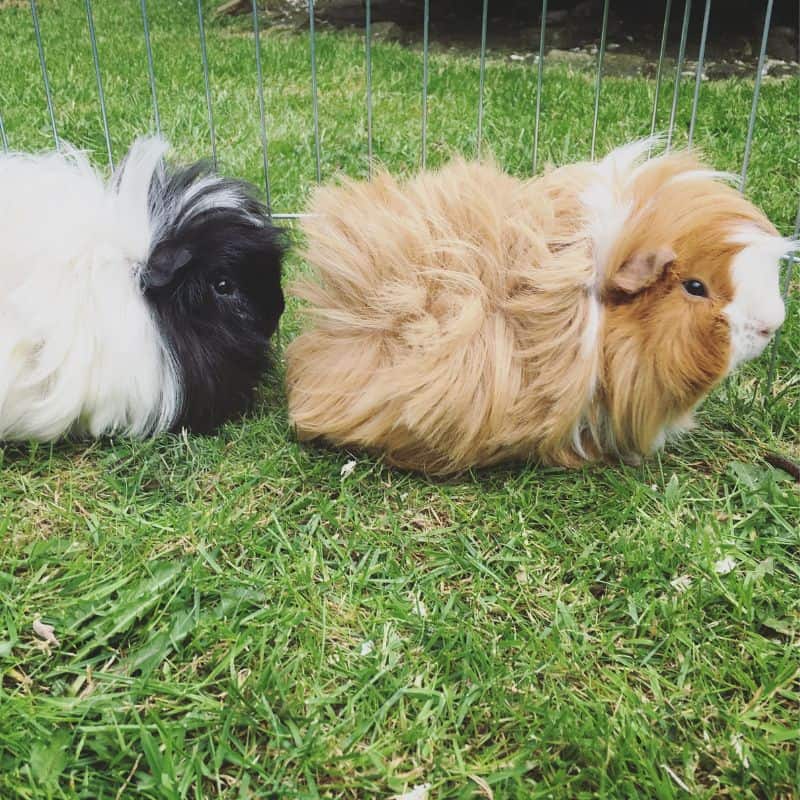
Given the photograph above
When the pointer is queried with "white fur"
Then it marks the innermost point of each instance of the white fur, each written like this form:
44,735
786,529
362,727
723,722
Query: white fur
79,350
757,309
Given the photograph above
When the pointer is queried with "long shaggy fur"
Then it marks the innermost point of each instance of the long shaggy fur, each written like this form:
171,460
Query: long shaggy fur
466,317
109,317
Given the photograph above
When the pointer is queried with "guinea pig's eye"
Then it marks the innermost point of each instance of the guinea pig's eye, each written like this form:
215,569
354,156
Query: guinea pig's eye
695,287
223,286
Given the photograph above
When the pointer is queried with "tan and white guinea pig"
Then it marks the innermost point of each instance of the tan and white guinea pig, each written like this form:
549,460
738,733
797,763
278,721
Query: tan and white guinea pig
467,317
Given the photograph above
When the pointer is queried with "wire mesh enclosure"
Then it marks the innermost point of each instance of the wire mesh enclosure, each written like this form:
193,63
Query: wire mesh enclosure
676,110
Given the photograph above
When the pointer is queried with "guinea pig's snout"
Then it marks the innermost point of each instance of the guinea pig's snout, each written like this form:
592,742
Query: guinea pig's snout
769,319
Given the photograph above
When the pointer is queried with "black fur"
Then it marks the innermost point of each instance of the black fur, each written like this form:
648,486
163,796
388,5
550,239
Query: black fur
213,281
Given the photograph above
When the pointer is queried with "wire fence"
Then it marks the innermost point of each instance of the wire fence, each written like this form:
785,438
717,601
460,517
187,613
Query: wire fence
540,61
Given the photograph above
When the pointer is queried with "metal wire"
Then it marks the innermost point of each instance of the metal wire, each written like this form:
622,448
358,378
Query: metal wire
659,69
204,56
3,138
756,89
484,22
539,70
261,108
150,68
425,32
100,94
314,100
698,79
600,56
368,57
45,79
687,11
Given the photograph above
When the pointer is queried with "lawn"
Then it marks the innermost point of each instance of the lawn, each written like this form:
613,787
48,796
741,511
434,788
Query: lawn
237,618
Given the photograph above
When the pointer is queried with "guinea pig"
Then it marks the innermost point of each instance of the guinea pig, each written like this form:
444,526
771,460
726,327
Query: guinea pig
466,317
133,306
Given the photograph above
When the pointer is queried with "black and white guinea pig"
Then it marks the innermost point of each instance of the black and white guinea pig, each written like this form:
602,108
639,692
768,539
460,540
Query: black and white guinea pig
133,306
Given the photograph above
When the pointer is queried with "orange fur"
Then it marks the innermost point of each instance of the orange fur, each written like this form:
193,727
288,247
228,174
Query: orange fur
450,317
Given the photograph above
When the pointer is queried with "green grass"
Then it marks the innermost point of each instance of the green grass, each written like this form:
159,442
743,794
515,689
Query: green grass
535,633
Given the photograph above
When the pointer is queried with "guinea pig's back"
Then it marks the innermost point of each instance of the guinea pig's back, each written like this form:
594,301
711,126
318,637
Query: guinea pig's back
416,304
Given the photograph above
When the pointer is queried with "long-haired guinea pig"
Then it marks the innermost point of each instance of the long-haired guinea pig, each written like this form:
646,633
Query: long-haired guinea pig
134,306
466,317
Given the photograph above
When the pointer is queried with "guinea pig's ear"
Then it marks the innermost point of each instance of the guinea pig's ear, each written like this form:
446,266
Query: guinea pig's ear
641,270
164,265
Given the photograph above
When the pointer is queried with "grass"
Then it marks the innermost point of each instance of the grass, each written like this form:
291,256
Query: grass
236,619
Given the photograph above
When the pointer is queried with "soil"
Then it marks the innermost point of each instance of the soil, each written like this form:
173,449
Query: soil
572,31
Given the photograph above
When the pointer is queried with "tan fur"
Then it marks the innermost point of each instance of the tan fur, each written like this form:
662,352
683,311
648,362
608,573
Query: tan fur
447,315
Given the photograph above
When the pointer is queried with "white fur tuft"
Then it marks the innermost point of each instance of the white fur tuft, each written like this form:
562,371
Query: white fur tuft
79,350
757,309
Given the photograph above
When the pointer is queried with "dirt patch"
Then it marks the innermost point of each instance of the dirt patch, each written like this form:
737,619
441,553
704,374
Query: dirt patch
572,31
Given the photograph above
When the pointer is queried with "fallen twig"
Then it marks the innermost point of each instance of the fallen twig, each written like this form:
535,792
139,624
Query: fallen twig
781,462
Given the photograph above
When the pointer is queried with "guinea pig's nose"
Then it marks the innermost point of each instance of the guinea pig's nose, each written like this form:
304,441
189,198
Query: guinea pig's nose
766,329
769,319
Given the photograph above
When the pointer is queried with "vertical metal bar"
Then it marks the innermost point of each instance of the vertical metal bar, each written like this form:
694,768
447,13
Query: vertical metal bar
261,107
3,138
687,11
426,28
600,56
150,68
204,56
43,65
368,56
698,78
314,101
484,23
659,69
539,71
756,89
100,94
